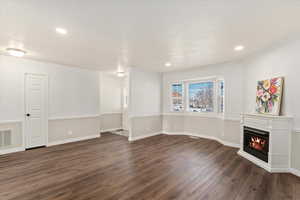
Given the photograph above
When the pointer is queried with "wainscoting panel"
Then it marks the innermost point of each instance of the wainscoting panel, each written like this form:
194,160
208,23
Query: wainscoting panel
16,136
295,151
145,126
61,130
226,131
203,125
110,121
173,123
231,131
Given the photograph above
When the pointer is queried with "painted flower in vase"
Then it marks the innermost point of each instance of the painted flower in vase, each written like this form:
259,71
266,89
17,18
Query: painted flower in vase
268,96
266,84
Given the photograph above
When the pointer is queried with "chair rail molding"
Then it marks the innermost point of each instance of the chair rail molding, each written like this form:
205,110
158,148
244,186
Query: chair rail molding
297,130
73,117
11,121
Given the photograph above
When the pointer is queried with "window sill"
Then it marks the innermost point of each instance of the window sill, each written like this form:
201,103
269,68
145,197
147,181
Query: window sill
204,115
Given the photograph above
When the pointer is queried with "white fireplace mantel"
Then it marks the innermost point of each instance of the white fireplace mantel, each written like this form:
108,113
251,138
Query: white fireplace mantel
280,129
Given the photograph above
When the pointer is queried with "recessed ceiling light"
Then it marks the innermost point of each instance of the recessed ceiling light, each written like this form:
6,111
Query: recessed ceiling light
61,31
15,52
120,74
239,48
168,64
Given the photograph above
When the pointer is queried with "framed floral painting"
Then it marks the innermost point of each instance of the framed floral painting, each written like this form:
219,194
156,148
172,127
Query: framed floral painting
269,95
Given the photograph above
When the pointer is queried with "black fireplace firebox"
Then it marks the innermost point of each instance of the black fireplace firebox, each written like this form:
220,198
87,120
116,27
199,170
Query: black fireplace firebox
256,143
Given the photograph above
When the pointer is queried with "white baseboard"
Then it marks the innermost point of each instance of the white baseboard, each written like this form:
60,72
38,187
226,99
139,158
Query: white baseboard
131,139
11,150
280,170
204,136
255,160
294,171
265,166
230,144
173,133
120,133
110,130
73,140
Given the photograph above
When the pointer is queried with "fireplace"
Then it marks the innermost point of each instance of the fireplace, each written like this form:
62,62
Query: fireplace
256,143
266,141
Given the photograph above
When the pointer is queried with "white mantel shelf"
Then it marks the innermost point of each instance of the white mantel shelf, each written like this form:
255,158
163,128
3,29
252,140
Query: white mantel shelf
266,116
280,129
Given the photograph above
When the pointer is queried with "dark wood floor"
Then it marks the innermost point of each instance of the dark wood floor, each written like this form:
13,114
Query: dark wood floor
160,167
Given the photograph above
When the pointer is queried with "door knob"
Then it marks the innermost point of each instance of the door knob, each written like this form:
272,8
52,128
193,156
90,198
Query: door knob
28,115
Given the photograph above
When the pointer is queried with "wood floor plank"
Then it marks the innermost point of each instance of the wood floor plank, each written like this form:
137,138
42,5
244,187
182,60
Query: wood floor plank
160,167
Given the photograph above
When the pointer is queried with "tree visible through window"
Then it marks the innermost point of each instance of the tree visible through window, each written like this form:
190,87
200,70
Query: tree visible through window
177,97
201,97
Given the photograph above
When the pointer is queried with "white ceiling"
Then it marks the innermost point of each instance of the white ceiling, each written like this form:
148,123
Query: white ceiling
145,33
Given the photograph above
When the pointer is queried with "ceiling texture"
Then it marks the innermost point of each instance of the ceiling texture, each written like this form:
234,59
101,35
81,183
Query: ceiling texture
145,33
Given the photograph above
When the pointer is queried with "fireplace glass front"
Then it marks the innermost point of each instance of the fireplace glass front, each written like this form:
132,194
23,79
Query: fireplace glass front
256,143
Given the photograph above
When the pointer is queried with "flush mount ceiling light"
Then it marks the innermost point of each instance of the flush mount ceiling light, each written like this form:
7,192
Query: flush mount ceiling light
239,48
120,74
168,64
15,52
61,31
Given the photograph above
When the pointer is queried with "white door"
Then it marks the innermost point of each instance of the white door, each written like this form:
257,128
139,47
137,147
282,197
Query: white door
36,108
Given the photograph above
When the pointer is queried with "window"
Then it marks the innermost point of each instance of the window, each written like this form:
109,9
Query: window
201,97
177,97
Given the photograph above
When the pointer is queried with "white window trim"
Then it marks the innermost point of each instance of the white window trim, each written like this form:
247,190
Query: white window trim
221,114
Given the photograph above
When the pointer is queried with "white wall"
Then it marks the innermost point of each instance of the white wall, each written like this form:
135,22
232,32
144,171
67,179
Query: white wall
73,99
280,60
144,103
145,93
72,91
111,101
111,88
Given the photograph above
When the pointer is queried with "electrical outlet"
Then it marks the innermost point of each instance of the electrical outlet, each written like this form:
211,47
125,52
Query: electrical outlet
70,132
